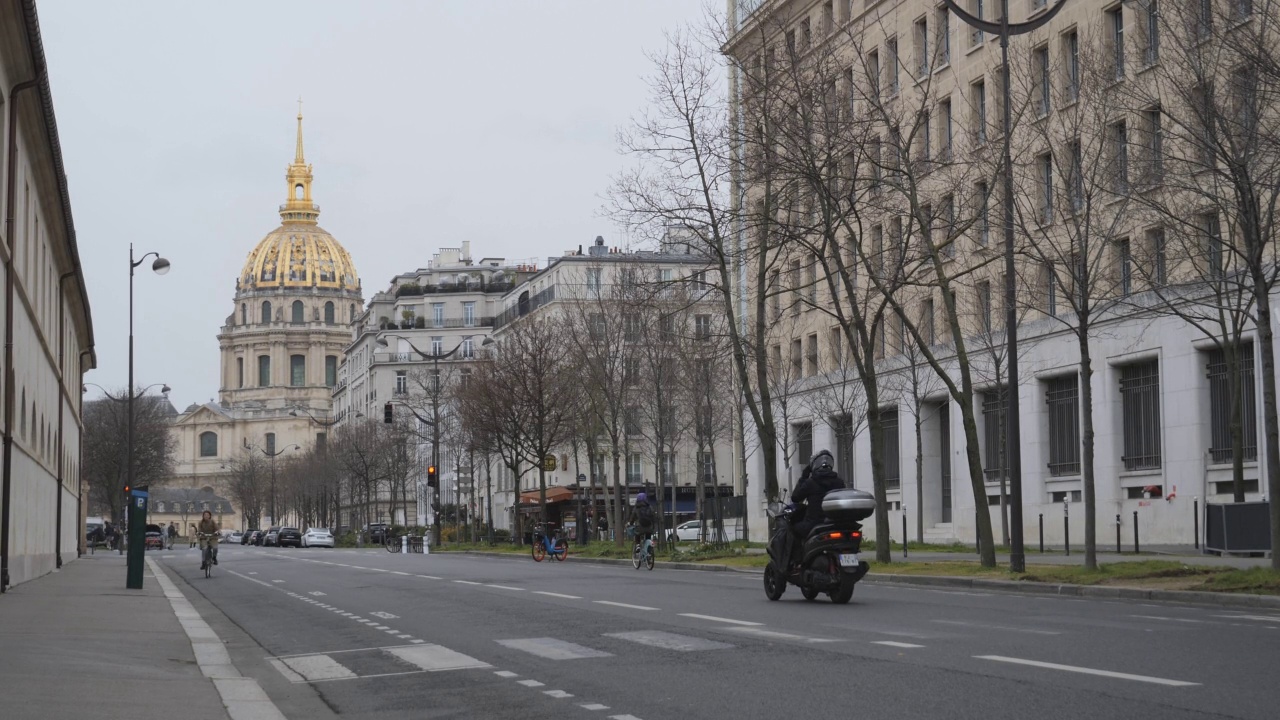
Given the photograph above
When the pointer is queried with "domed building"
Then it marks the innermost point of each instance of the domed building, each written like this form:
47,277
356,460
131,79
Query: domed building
280,348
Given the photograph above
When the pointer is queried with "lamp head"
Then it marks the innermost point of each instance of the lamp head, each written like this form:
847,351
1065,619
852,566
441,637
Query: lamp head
488,341
293,413
381,342
164,389
160,266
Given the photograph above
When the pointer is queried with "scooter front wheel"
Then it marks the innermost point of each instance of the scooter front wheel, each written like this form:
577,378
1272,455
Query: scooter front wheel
774,583
844,594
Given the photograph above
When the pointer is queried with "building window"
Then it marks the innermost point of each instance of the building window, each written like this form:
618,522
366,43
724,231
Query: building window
1119,158
1152,147
946,130
943,24
635,474
468,349
1150,13
328,313
1115,24
702,327
842,427
297,370
1071,48
1040,58
239,372
1220,404
266,312
1045,163
244,314
1240,9
873,73
812,355
271,443
804,443
437,345
979,92
1124,268
437,314
208,444
402,382
1155,245
264,371
993,421
978,9
1140,405
983,222
1213,248
984,306
469,314
889,453
1062,398
322,443
298,314
596,326
891,65
330,370
922,47
797,359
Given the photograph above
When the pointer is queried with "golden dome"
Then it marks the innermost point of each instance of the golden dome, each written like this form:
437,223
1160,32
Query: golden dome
299,253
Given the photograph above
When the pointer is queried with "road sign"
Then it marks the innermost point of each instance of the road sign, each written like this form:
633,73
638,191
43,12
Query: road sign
549,463
582,477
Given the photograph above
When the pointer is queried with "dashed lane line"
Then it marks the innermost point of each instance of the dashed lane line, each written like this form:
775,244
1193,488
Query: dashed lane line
1087,671
896,644
621,605
713,618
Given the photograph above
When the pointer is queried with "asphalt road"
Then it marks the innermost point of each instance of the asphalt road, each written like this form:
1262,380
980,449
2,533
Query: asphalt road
367,634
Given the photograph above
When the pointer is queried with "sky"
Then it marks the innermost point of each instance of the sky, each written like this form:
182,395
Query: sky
427,123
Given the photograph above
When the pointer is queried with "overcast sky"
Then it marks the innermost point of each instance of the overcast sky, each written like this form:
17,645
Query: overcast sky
427,123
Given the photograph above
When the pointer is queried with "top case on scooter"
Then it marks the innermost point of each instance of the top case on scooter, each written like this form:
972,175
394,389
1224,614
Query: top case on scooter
848,505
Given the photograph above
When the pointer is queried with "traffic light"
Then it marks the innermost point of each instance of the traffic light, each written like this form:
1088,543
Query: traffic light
386,413
431,476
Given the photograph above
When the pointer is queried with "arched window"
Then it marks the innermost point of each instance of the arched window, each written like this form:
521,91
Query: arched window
297,370
328,313
208,444
298,313
271,442
244,314
266,312
264,371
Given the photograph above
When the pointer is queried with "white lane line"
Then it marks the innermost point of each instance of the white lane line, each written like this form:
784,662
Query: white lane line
277,581
404,636
775,635
397,572
623,605
379,627
984,626
731,621
506,674
429,577
623,717
892,643
531,683
393,632
594,706
1174,619
553,649
466,582
504,587
557,694
559,595
1087,671
1259,618
417,642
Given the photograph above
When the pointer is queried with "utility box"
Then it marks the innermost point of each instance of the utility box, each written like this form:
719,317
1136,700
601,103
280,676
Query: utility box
1237,527
137,519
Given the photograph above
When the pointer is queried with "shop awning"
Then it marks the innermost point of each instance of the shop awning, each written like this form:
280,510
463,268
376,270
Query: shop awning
557,493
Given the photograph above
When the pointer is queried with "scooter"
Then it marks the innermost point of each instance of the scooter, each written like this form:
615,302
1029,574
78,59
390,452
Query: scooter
828,560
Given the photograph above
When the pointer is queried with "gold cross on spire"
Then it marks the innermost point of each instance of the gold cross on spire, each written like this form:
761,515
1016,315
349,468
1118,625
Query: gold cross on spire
298,157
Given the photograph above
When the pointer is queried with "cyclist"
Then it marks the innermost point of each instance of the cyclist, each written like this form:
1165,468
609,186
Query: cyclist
641,519
207,532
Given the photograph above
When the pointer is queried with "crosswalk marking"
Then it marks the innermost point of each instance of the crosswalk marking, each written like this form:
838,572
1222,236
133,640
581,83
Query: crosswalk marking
893,643
721,619
433,658
318,667
553,649
594,706
669,641
557,694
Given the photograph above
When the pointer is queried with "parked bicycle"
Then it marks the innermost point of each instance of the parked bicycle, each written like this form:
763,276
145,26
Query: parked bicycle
545,543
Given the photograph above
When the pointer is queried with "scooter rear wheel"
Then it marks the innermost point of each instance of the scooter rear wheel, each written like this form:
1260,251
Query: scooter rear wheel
809,593
774,583
844,594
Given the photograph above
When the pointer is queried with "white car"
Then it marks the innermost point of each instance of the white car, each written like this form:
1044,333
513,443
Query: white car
317,537
691,531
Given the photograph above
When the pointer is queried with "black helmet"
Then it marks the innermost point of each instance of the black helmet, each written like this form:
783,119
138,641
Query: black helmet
823,461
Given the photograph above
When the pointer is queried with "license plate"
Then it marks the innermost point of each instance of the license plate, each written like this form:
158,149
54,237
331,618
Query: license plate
849,559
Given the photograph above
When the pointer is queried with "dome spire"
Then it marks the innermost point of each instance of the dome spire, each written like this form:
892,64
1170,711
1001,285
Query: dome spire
298,207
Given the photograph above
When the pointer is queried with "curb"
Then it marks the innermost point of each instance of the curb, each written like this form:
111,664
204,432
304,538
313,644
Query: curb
1194,597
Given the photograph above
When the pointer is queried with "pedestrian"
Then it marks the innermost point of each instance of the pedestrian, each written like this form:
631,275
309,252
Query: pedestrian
172,532
192,536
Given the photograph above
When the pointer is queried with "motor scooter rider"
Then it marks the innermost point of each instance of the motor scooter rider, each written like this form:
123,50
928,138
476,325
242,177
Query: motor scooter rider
818,479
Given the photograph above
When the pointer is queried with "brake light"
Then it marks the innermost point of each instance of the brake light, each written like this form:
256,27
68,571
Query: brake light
855,535
834,536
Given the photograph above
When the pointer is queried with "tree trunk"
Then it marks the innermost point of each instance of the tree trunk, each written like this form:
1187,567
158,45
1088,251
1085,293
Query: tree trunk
1087,470
619,501
919,468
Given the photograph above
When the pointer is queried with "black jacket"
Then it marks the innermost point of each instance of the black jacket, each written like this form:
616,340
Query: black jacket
811,490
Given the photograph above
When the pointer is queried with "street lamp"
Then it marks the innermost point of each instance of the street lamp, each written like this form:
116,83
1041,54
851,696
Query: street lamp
1013,436
434,422
272,455
316,420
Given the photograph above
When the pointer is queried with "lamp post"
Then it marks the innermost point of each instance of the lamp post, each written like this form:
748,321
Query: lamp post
434,422
1013,451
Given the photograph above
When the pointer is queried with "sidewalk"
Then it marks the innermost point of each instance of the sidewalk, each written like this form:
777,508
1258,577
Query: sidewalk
1185,554
76,643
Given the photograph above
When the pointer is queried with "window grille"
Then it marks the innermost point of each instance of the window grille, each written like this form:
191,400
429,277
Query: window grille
993,414
1063,400
804,443
1140,396
890,453
1220,404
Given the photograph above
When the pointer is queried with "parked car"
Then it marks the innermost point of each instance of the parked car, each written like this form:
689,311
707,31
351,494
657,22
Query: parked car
235,538
269,538
154,538
253,537
288,537
695,531
317,537
378,532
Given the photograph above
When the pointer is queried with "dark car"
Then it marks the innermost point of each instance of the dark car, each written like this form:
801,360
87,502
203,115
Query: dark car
269,538
250,536
289,537
378,532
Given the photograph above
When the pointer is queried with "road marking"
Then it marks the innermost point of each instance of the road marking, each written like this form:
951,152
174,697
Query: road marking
429,577
394,632
317,593
397,572
997,627
720,619
277,581
253,573
892,643
559,595
623,717
404,636
557,694
379,627
1174,619
504,587
467,582
357,618
506,674
318,667
553,649
419,642
531,683
775,635
384,615
594,706
288,674
669,641
1259,618
623,605
1087,671
433,658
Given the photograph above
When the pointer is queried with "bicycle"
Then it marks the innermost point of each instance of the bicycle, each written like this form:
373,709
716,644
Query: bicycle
391,542
544,544
643,553
208,554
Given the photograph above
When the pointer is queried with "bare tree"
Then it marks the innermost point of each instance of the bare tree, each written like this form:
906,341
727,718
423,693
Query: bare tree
106,430
247,484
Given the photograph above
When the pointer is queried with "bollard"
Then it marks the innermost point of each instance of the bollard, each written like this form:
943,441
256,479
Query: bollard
1195,519
1117,533
1135,532
904,531
426,544
1041,533
1066,530
404,544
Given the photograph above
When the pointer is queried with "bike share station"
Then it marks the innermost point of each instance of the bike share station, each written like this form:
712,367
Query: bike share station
136,519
